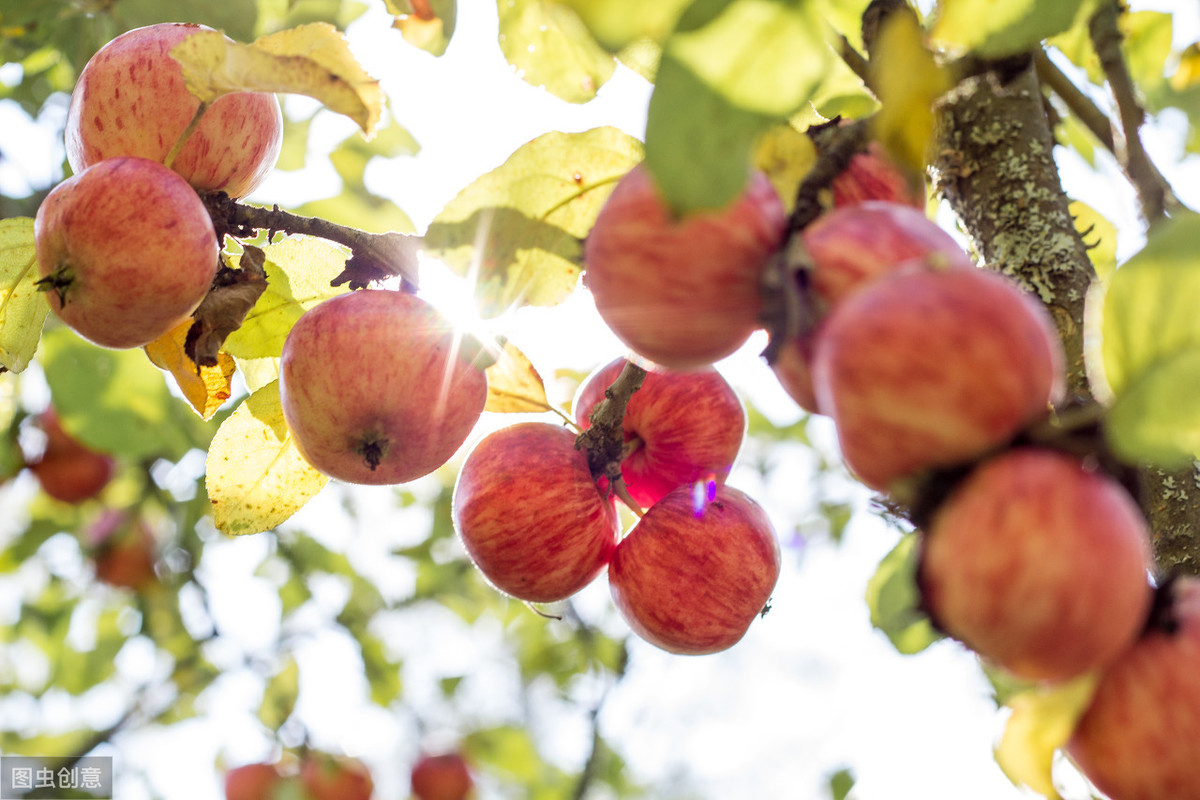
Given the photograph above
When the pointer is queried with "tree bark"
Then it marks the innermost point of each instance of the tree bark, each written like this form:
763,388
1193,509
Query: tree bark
994,164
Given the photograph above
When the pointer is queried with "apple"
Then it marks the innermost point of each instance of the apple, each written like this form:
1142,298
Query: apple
682,292
131,100
680,427
871,175
252,782
444,776
696,570
329,778
848,248
126,251
1038,564
1137,739
124,550
933,366
67,469
377,388
530,515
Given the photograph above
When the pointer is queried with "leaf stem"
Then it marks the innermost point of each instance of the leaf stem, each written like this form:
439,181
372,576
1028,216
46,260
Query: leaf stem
183,137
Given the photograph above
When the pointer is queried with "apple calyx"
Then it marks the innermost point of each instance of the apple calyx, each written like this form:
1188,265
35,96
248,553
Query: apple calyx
58,281
374,449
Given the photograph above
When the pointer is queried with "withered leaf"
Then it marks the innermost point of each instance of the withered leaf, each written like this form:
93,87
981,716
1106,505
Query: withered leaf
234,293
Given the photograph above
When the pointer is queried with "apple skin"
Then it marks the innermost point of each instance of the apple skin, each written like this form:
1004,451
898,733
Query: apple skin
530,515
125,550
932,367
1039,565
849,247
1137,739
126,250
329,778
131,100
251,782
682,292
376,388
687,426
444,776
68,470
692,581
872,176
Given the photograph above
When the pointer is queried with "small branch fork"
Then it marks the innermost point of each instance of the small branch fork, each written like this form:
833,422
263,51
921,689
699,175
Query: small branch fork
373,256
604,440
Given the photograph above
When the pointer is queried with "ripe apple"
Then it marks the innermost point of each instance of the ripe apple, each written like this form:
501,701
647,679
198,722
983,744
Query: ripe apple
682,292
329,778
67,469
933,366
376,387
124,550
252,782
871,175
1039,565
126,251
131,100
695,571
530,514
849,247
441,777
1137,739
680,427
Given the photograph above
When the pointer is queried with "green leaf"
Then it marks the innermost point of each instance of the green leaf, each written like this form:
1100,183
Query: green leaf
279,697
299,270
382,672
1157,419
80,670
552,48
23,308
517,230
255,476
358,208
616,24
1150,307
895,599
840,784
764,56
116,401
994,29
506,751
690,123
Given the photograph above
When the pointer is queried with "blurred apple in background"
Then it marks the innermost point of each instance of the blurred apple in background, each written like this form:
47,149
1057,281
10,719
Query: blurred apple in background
67,469
443,776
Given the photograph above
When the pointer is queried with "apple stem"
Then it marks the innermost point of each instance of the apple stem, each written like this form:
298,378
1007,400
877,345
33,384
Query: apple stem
622,491
183,137
604,440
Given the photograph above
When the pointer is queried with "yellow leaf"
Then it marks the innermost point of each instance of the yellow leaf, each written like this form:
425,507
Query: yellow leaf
514,386
312,60
1099,235
206,388
1187,74
1043,719
256,478
785,155
908,82
23,309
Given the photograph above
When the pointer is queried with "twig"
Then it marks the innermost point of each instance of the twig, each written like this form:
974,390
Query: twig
1153,192
1095,120
855,61
373,256
604,440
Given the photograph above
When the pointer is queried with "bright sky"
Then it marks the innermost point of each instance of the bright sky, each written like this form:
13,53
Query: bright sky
812,687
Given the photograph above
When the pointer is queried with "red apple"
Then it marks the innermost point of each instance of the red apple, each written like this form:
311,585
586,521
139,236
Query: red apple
376,387
696,570
1137,739
682,292
329,778
131,100
680,427
850,247
126,251
441,777
931,367
1039,565
124,550
67,469
531,517
872,176
252,782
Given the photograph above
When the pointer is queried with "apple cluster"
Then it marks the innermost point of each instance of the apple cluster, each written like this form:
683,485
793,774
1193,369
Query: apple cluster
126,248
320,776
540,521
